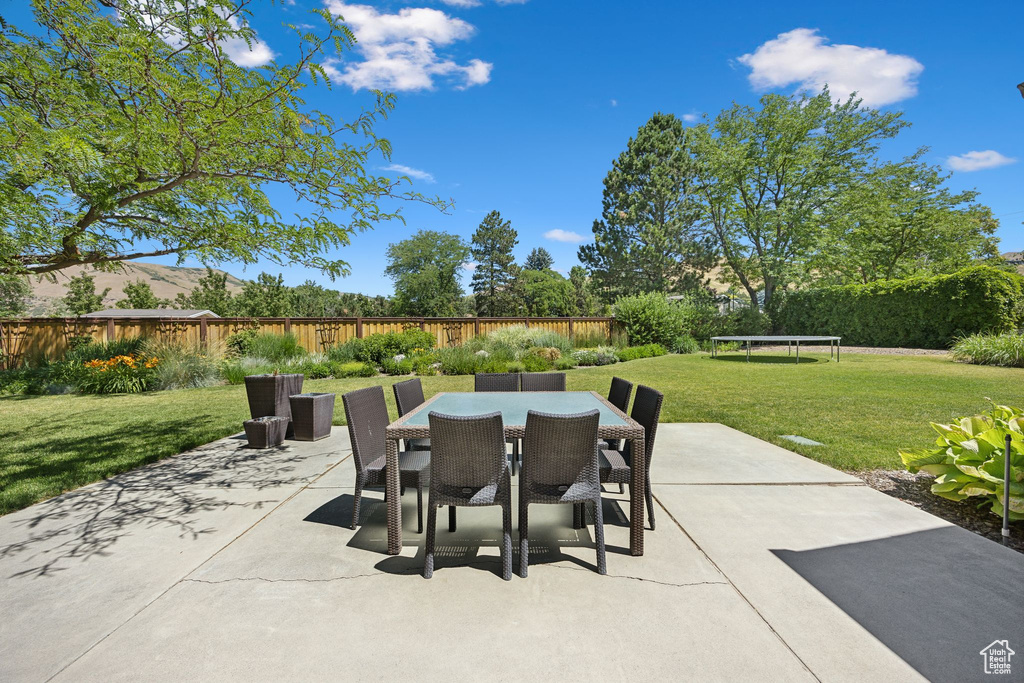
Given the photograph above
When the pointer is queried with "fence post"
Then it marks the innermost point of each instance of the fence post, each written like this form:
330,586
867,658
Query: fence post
359,328
111,330
423,324
287,325
527,321
570,327
476,326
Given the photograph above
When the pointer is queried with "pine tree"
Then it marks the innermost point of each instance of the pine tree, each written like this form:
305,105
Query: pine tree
82,297
494,275
139,294
539,259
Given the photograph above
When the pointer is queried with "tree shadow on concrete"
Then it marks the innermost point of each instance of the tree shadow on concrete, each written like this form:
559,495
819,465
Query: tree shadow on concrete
936,598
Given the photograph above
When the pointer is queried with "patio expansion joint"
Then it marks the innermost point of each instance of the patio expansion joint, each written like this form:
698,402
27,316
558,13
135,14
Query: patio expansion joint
296,580
193,570
671,584
739,592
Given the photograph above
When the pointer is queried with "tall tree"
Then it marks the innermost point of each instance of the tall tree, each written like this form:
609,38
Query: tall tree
491,247
265,297
583,295
546,293
139,294
127,131
81,297
210,294
14,296
425,269
647,239
539,259
768,180
901,220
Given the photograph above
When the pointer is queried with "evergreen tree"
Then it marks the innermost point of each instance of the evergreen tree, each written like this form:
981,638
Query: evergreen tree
491,247
265,297
82,297
14,296
139,294
539,259
583,295
647,237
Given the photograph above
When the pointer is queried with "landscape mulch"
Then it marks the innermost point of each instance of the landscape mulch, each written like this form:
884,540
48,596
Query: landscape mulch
915,489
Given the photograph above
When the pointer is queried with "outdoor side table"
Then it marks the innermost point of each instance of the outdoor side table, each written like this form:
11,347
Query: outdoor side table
268,394
312,415
266,431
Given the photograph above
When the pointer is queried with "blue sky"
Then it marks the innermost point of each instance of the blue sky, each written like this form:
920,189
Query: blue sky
522,106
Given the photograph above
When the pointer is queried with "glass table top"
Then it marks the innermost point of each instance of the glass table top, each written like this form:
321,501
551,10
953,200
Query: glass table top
513,405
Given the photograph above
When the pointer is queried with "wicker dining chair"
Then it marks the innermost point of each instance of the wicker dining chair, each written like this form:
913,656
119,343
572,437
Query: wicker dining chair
499,381
367,417
560,465
408,396
616,464
543,381
496,381
468,468
618,396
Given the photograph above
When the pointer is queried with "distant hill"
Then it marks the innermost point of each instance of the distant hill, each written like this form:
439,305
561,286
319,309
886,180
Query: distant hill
1015,259
165,281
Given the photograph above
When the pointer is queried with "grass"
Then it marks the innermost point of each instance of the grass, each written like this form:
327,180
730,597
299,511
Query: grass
861,409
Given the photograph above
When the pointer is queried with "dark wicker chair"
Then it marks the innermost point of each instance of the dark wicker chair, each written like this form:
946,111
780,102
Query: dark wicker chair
409,395
560,465
616,464
367,417
468,467
498,381
618,396
543,381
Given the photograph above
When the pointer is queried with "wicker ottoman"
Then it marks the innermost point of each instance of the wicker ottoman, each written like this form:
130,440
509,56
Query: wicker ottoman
267,431
312,415
268,394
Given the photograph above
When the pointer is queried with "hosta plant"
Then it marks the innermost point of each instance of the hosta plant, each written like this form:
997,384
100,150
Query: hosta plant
968,459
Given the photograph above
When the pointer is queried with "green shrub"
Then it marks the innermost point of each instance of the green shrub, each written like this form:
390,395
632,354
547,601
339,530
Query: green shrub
1006,350
274,347
566,363
352,369
235,371
238,343
393,367
923,312
747,320
686,344
347,352
650,319
458,360
534,363
603,355
968,459
645,351
516,341
702,319
314,366
423,366
383,346
184,365
27,381
85,350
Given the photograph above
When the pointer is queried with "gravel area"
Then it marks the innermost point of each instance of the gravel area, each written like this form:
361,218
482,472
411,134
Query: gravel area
915,489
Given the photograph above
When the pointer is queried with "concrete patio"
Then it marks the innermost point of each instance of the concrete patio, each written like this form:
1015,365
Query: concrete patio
228,564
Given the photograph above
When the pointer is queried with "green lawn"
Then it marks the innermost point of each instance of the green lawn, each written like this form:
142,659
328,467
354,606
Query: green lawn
861,409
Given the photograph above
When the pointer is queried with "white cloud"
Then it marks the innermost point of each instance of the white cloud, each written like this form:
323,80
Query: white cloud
399,50
614,103
559,235
690,118
471,266
410,171
802,57
462,3
237,50
977,161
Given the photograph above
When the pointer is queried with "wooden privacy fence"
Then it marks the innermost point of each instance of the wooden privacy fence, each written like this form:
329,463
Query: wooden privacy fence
34,338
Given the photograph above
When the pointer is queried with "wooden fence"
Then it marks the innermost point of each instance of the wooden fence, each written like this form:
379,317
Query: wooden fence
29,339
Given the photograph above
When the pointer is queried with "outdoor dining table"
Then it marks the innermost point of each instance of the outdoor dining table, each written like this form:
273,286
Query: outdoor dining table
513,406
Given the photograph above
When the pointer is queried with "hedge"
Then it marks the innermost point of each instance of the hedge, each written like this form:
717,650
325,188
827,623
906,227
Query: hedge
922,312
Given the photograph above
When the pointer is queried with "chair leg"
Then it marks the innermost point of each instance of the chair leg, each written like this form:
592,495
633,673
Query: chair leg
650,502
419,507
622,487
602,566
524,537
451,518
577,516
506,538
355,504
428,557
